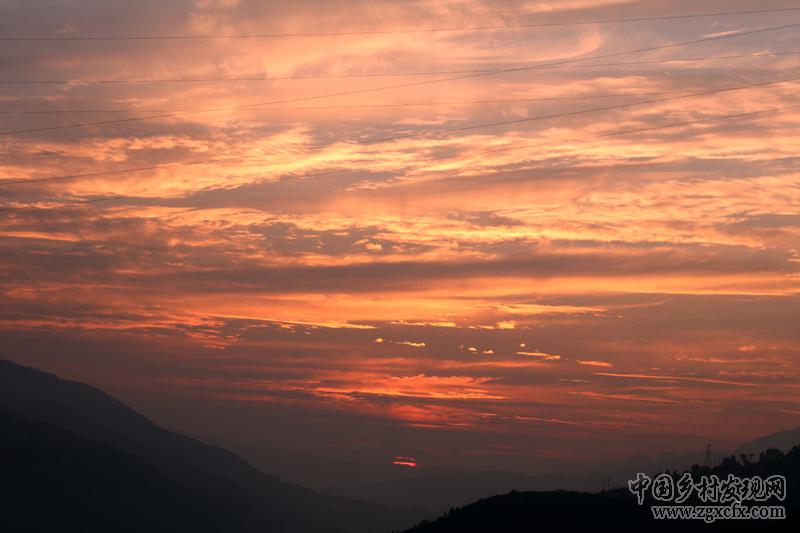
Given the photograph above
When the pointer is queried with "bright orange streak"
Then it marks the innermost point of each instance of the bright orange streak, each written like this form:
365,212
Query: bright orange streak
410,462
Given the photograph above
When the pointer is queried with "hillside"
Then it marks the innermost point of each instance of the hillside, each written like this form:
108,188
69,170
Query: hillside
261,502
56,480
781,440
616,510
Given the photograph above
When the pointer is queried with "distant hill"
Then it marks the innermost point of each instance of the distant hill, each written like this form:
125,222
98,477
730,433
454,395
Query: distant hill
782,440
52,480
556,511
74,420
73,458
616,510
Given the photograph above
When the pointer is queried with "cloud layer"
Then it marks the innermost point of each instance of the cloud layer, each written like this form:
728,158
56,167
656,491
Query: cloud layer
618,274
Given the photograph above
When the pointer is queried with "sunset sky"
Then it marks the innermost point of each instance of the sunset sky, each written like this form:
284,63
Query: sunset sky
322,233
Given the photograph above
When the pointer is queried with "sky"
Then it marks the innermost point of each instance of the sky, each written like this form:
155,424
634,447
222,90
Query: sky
351,238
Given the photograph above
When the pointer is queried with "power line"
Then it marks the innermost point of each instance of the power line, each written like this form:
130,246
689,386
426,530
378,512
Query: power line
646,129
404,85
416,104
368,142
718,118
79,82
385,32
580,112
241,79
351,106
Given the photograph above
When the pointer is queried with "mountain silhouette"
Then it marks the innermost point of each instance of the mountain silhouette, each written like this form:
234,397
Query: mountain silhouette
525,512
781,440
72,458
54,480
143,469
617,510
